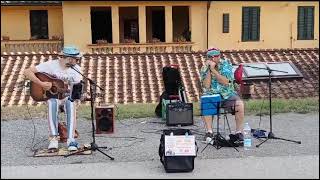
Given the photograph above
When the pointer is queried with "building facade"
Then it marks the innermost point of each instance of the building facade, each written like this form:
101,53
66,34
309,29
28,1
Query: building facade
159,26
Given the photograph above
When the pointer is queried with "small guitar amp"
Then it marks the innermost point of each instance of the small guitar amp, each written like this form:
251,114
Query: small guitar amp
179,113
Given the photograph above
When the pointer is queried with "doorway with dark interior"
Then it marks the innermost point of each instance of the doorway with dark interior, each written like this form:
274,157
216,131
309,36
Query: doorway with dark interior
158,25
101,24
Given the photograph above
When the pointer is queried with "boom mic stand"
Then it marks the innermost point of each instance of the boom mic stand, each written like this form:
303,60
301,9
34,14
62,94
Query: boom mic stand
271,134
93,145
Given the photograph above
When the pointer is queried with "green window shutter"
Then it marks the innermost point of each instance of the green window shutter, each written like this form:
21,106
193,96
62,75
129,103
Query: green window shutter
305,22
245,24
310,22
250,23
255,25
301,23
225,23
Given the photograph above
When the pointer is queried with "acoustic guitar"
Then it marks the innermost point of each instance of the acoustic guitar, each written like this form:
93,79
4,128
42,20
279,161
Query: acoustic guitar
59,89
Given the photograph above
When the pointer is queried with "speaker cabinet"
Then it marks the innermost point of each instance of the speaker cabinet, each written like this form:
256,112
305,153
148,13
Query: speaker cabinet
105,116
179,113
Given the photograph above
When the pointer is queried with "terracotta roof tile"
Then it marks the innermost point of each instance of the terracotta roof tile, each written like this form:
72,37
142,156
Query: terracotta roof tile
137,78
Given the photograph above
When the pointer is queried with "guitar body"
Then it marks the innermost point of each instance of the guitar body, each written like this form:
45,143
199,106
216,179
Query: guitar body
59,89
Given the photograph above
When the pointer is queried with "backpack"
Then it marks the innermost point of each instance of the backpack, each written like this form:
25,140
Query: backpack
176,163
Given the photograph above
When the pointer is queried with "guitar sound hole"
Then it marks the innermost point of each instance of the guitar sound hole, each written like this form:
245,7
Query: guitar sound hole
54,90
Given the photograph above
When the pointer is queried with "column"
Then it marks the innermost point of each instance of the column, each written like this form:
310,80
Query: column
142,24
142,27
169,27
115,26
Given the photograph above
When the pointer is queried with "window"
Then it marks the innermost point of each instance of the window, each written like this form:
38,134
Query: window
225,23
180,24
250,23
129,24
131,29
101,25
39,24
305,22
259,70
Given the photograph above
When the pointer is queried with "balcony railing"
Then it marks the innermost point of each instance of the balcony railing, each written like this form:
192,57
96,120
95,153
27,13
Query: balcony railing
31,45
132,48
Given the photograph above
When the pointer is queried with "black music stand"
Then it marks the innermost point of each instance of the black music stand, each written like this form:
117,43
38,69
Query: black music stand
217,137
270,134
93,146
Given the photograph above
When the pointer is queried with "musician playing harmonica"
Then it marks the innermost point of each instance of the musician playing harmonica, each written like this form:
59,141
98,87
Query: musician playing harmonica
217,78
60,69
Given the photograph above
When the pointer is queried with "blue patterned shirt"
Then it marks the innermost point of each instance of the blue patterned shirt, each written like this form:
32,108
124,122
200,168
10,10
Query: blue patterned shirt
225,69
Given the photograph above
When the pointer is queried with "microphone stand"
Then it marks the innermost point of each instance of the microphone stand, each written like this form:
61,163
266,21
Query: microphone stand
271,134
93,145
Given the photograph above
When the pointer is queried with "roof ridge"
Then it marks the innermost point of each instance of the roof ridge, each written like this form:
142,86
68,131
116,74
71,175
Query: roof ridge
194,52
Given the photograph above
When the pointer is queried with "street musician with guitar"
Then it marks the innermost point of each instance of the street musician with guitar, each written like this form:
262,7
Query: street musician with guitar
52,81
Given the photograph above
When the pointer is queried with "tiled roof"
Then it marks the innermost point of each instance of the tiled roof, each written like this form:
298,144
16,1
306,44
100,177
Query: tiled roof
29,3
137,78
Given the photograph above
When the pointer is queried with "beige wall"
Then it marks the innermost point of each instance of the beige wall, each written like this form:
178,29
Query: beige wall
76,25
198,24
55,22
278,20
77,14
15,21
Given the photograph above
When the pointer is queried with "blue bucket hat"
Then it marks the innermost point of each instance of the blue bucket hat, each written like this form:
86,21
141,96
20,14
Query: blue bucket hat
71,51
213,52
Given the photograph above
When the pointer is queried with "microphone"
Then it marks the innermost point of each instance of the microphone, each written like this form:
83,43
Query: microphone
70,65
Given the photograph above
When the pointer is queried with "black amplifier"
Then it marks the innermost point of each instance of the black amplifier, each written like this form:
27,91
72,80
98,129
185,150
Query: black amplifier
179,113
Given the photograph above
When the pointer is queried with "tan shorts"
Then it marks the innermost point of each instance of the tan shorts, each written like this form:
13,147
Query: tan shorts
230,104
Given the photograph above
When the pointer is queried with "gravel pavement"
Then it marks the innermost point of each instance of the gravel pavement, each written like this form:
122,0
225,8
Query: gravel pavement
136,141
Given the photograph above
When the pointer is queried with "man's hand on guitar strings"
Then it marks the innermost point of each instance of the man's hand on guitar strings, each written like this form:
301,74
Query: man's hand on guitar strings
46,85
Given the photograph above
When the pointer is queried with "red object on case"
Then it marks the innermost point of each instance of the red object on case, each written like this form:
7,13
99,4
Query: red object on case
176,66
238,74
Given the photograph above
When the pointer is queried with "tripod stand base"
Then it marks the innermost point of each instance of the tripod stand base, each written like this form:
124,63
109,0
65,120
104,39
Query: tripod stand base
217,142
272,136
93,147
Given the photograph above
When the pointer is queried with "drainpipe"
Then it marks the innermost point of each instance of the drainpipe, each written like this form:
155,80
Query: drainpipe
291,36
208,7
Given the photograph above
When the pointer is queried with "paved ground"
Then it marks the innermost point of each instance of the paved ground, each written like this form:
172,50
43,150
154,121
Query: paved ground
135,144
